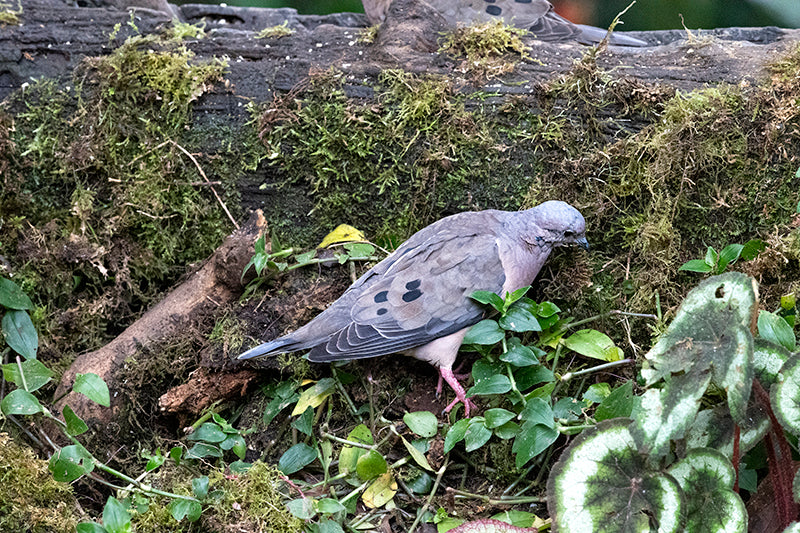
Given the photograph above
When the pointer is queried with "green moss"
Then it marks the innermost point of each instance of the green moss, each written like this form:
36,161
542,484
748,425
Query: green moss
490,49
30,499
10,16
392,164
252,501
275,32
229,334
102,177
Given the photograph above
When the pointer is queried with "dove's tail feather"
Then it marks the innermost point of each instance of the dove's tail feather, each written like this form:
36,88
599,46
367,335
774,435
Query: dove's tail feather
592,35
280,345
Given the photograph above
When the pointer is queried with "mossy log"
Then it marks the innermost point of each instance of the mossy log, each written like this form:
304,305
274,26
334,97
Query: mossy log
121,135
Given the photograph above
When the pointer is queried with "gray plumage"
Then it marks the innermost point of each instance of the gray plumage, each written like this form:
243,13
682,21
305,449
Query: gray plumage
536,16
416,301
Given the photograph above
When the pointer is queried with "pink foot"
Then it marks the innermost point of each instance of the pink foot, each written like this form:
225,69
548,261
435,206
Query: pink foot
461,396
455,375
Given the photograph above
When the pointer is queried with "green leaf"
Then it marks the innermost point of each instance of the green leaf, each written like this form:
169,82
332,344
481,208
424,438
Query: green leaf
359,249
705,476
176,454
592,343
752,248
711,257
305,424
485,332
532,440
597,392
370,465
497,417
154,461
513,297
488,298
203,449
36,374
547,310
90,527
314,395
75,425
330,506
529,376
477,434
20,402
208,432
456,434
93,387
538,411
181,508
696,265
71,462
296,458
507,431
785,395
521,355
601,475
235,443
714,428
729,254
618,404
306,257
775,329
519,319
423,423
768,358
20,334
12,296
348,457
302,508
284,395
417,455
200,487
709,341
115,517
496,384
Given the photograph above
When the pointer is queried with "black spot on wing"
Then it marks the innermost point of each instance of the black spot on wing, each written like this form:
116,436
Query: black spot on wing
410,296
382,311
381,297
411,285
494,10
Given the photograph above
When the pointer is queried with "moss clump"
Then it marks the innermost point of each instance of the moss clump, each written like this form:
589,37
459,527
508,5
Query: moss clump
246,502
30,499
275,32
490,49
406,156
10,16
101,197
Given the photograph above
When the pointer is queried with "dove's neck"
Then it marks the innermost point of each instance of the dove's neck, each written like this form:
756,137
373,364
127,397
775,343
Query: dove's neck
522,252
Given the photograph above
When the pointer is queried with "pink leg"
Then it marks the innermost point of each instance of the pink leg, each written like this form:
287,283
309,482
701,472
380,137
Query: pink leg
456,375
461,395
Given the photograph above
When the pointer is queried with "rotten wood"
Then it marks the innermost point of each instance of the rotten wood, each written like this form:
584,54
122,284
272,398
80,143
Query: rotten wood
216,283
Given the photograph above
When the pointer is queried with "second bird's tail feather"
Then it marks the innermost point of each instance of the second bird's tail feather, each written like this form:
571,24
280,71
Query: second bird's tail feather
279,345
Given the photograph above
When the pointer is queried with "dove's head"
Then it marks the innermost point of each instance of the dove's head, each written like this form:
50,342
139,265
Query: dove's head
556,223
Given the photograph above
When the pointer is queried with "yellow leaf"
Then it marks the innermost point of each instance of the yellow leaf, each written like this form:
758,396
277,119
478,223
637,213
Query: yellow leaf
380,492
314,395
342,233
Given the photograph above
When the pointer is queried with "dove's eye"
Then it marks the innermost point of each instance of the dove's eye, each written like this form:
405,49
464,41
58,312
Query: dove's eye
569,233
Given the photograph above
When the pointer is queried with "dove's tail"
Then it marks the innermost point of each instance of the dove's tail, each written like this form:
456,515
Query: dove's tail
280,345
592,35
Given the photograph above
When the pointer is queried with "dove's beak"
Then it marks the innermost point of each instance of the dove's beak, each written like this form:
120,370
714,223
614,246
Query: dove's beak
583,243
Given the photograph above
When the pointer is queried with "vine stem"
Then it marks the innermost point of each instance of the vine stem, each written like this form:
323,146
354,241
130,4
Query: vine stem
569,375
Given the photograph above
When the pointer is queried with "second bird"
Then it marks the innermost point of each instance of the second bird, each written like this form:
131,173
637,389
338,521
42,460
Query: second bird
536,16
417,300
